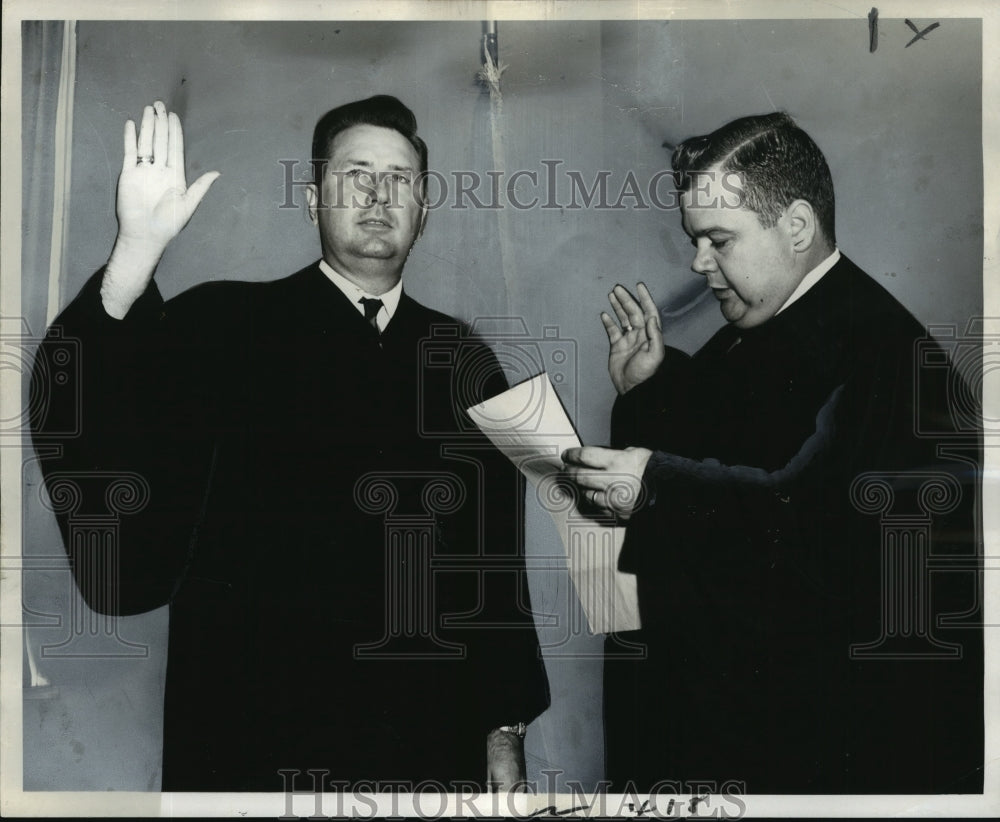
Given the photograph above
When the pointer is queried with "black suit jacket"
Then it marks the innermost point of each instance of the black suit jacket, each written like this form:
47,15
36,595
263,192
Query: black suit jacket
793,622
340,549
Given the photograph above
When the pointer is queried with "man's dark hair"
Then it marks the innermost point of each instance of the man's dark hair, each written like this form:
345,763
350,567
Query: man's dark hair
381,110
776,160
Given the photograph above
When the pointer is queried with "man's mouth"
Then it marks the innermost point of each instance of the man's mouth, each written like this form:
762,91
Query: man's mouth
376,222
721,292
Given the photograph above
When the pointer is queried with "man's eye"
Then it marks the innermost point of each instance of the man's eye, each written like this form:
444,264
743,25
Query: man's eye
721,243
398,177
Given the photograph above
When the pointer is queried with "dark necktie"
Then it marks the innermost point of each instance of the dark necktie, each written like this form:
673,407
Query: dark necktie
372,307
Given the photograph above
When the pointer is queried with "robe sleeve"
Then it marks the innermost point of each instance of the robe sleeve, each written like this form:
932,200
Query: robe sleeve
127,445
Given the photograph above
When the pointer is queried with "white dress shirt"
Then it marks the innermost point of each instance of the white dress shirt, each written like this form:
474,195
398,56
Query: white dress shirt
390,300
811,279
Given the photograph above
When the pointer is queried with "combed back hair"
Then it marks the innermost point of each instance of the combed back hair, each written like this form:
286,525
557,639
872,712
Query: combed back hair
776,160
381,110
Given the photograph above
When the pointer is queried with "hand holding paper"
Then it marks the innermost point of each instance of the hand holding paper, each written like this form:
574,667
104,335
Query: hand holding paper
529,425
610,479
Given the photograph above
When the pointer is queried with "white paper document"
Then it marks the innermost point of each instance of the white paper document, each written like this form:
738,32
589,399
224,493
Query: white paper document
529,425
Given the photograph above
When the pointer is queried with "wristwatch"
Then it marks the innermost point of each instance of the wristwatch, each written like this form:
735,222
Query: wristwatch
519,730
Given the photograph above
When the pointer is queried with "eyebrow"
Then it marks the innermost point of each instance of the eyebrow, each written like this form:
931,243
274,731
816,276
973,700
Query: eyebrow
713,229
369,164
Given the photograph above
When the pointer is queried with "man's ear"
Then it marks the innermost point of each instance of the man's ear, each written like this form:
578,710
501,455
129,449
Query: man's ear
424,211
312,201
801,225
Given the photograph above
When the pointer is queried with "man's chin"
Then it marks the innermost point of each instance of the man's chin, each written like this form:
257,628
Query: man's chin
378,249
733,311
744,318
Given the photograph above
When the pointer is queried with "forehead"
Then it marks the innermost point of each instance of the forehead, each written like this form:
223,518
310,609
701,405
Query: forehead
714,200
375,145
698,219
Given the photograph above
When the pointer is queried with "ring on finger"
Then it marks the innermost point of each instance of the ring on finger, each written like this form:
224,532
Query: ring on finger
627,327
592,496
148,159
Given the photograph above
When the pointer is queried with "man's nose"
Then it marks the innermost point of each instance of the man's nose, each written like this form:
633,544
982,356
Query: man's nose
381,189
703,262
375,187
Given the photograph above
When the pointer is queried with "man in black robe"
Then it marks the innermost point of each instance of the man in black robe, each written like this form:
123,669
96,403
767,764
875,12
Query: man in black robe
341,551
805,557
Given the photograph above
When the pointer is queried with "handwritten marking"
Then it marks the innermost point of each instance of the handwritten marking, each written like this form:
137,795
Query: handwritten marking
552,810
872,30
920,34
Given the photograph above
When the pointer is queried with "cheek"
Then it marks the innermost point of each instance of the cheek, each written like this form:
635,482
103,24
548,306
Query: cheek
412,209
738,274
334,222
754,278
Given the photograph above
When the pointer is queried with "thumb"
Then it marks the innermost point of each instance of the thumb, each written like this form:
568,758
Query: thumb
653,332
199,188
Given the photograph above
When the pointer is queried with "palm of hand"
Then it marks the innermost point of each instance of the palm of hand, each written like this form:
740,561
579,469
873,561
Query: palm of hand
633,359
152,203
154,199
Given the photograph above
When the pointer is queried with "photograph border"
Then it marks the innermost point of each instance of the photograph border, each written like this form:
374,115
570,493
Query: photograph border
14,801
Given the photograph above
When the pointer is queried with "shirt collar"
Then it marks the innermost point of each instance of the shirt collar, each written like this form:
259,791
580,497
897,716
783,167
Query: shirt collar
811,279
353,292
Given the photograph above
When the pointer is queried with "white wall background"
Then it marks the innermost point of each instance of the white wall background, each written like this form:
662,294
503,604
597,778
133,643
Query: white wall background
900,127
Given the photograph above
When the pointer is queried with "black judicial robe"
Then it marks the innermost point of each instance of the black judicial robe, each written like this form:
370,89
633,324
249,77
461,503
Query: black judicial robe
340,549
798,642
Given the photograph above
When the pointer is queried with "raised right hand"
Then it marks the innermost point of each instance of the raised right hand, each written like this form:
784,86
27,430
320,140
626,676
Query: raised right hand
154,204
154,200
636,348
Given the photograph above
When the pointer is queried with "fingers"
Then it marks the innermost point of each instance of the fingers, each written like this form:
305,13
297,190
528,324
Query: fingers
633,312
588,456
589,480
620,312
651,315
128,156
608,479
593,486
614,332
153,143
159,132
175,142
145,142
649,308
654,336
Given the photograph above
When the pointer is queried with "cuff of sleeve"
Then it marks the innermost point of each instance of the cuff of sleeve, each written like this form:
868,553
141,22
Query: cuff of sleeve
144,309
660,467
